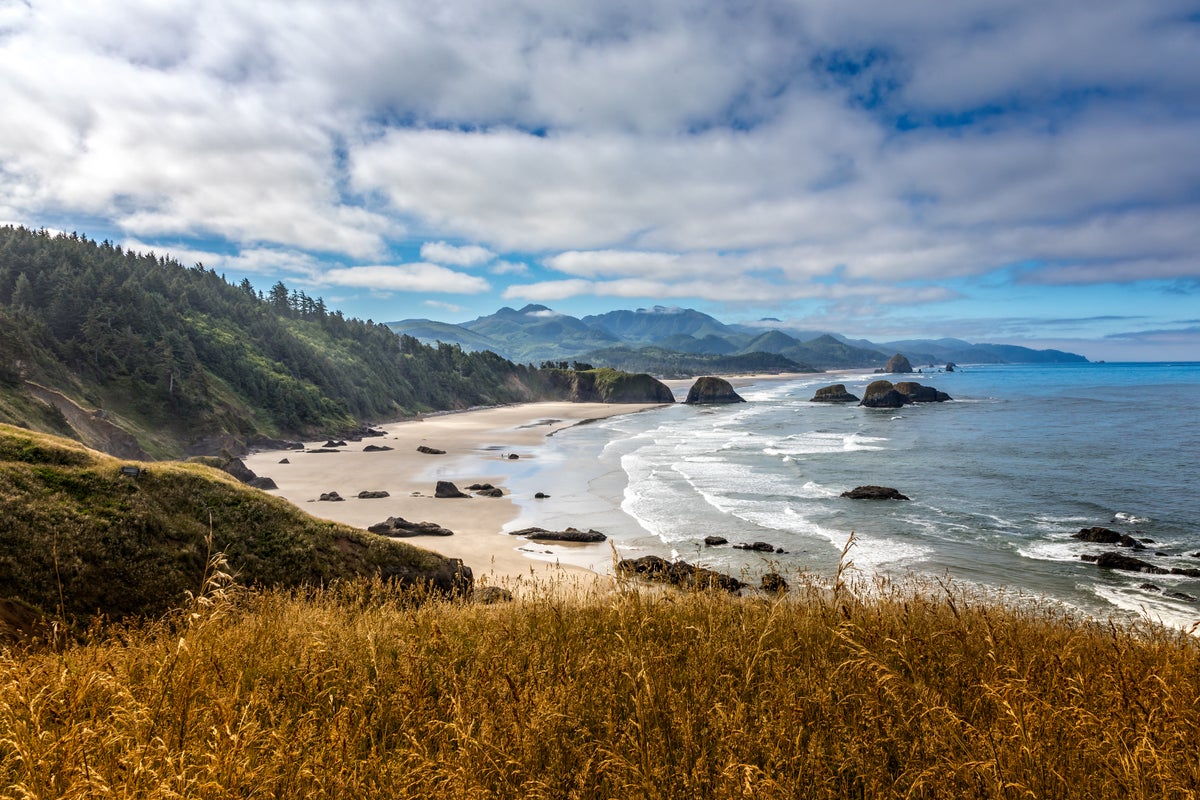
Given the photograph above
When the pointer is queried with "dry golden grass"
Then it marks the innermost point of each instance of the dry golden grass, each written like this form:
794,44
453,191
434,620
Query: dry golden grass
356,692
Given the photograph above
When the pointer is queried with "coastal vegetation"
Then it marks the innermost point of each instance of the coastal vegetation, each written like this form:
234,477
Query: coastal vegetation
86,534
178,358
833,689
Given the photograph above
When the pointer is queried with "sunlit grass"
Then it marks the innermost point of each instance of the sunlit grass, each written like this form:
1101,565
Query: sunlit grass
624,691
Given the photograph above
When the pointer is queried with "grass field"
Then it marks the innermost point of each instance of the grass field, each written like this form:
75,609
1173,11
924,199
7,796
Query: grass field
852,691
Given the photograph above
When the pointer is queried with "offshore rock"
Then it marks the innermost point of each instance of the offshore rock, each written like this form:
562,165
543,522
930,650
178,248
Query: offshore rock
1107,536
874,493
758,547
834,394
1129,563
897,363
712,390
882,394
917,393
773,583
714,541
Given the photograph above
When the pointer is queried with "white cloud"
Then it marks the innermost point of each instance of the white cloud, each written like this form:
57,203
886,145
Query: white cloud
471,255
509,268
443,306
418,277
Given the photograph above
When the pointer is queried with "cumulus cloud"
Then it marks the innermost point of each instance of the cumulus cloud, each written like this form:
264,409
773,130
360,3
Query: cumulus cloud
622,149
471,255
418,277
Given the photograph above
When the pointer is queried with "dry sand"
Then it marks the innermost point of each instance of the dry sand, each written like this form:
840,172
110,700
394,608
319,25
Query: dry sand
477,445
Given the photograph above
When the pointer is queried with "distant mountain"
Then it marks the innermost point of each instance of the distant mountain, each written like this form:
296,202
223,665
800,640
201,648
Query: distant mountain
680,341
658,323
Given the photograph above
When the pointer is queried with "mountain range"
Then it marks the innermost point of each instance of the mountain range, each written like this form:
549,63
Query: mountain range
683,341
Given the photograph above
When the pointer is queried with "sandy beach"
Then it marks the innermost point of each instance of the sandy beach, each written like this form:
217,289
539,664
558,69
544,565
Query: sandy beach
478,445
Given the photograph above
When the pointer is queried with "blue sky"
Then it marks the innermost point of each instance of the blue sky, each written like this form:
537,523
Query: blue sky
1022,172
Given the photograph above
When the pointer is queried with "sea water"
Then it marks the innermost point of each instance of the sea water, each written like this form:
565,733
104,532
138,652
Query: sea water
999,480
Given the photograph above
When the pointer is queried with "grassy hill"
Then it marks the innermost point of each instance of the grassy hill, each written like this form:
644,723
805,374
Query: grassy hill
79,537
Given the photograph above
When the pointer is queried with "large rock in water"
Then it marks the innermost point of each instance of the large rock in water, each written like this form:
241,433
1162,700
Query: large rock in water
917,393
834,394
885,394
882,394
897,363
1107,536
874,493
710,389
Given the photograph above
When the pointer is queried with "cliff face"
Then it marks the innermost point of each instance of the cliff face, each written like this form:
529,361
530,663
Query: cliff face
610,386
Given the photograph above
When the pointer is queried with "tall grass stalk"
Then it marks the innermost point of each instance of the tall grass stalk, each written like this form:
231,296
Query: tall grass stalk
354,691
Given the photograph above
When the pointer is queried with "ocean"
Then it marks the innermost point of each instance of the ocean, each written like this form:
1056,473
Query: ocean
999,480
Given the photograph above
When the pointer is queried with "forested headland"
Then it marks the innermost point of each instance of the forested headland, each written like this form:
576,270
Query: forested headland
181,359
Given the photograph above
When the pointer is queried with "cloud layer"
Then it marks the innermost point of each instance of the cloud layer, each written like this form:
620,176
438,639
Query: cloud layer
757,153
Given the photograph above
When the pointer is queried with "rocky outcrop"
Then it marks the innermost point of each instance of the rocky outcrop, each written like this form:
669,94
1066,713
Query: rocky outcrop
951,366
758,547
330,497
710,390
874,493
569,535
262,482
715,541
372,495
897,363
1124,562
1107,536
885,394
262,442
882,394
334,443
773,583
677,573
401,528
447,489
917,393
490,595
430,451
376,448
610,386
834,394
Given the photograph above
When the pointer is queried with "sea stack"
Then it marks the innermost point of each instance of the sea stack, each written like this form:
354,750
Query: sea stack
710,390
834,394
897,363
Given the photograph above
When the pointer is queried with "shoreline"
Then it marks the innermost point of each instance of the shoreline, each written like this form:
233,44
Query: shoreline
478,443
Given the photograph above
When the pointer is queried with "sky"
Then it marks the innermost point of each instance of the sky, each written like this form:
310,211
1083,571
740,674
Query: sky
1023,172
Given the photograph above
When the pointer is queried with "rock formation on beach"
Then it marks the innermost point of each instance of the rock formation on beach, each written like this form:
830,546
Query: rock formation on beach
448,489
1108,536
712,390
569,535
430,451
834,394
610,386
400,527
874,493
677,573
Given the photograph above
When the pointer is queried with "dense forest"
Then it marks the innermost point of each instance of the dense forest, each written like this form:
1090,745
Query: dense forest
674,364
177,354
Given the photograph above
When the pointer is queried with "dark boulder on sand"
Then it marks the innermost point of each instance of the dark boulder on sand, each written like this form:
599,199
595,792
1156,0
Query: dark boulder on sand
448,489
430,451
400,527
376,448
834,394
677,573
331,497
712,390
372,495
874,493
569,535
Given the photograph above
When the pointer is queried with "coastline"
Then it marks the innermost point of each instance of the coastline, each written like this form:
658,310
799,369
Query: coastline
477,444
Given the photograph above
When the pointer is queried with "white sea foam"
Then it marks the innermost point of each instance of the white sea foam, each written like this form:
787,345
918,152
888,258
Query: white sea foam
1129,519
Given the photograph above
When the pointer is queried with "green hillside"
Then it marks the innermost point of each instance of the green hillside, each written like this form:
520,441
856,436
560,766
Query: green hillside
79,533
186,362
